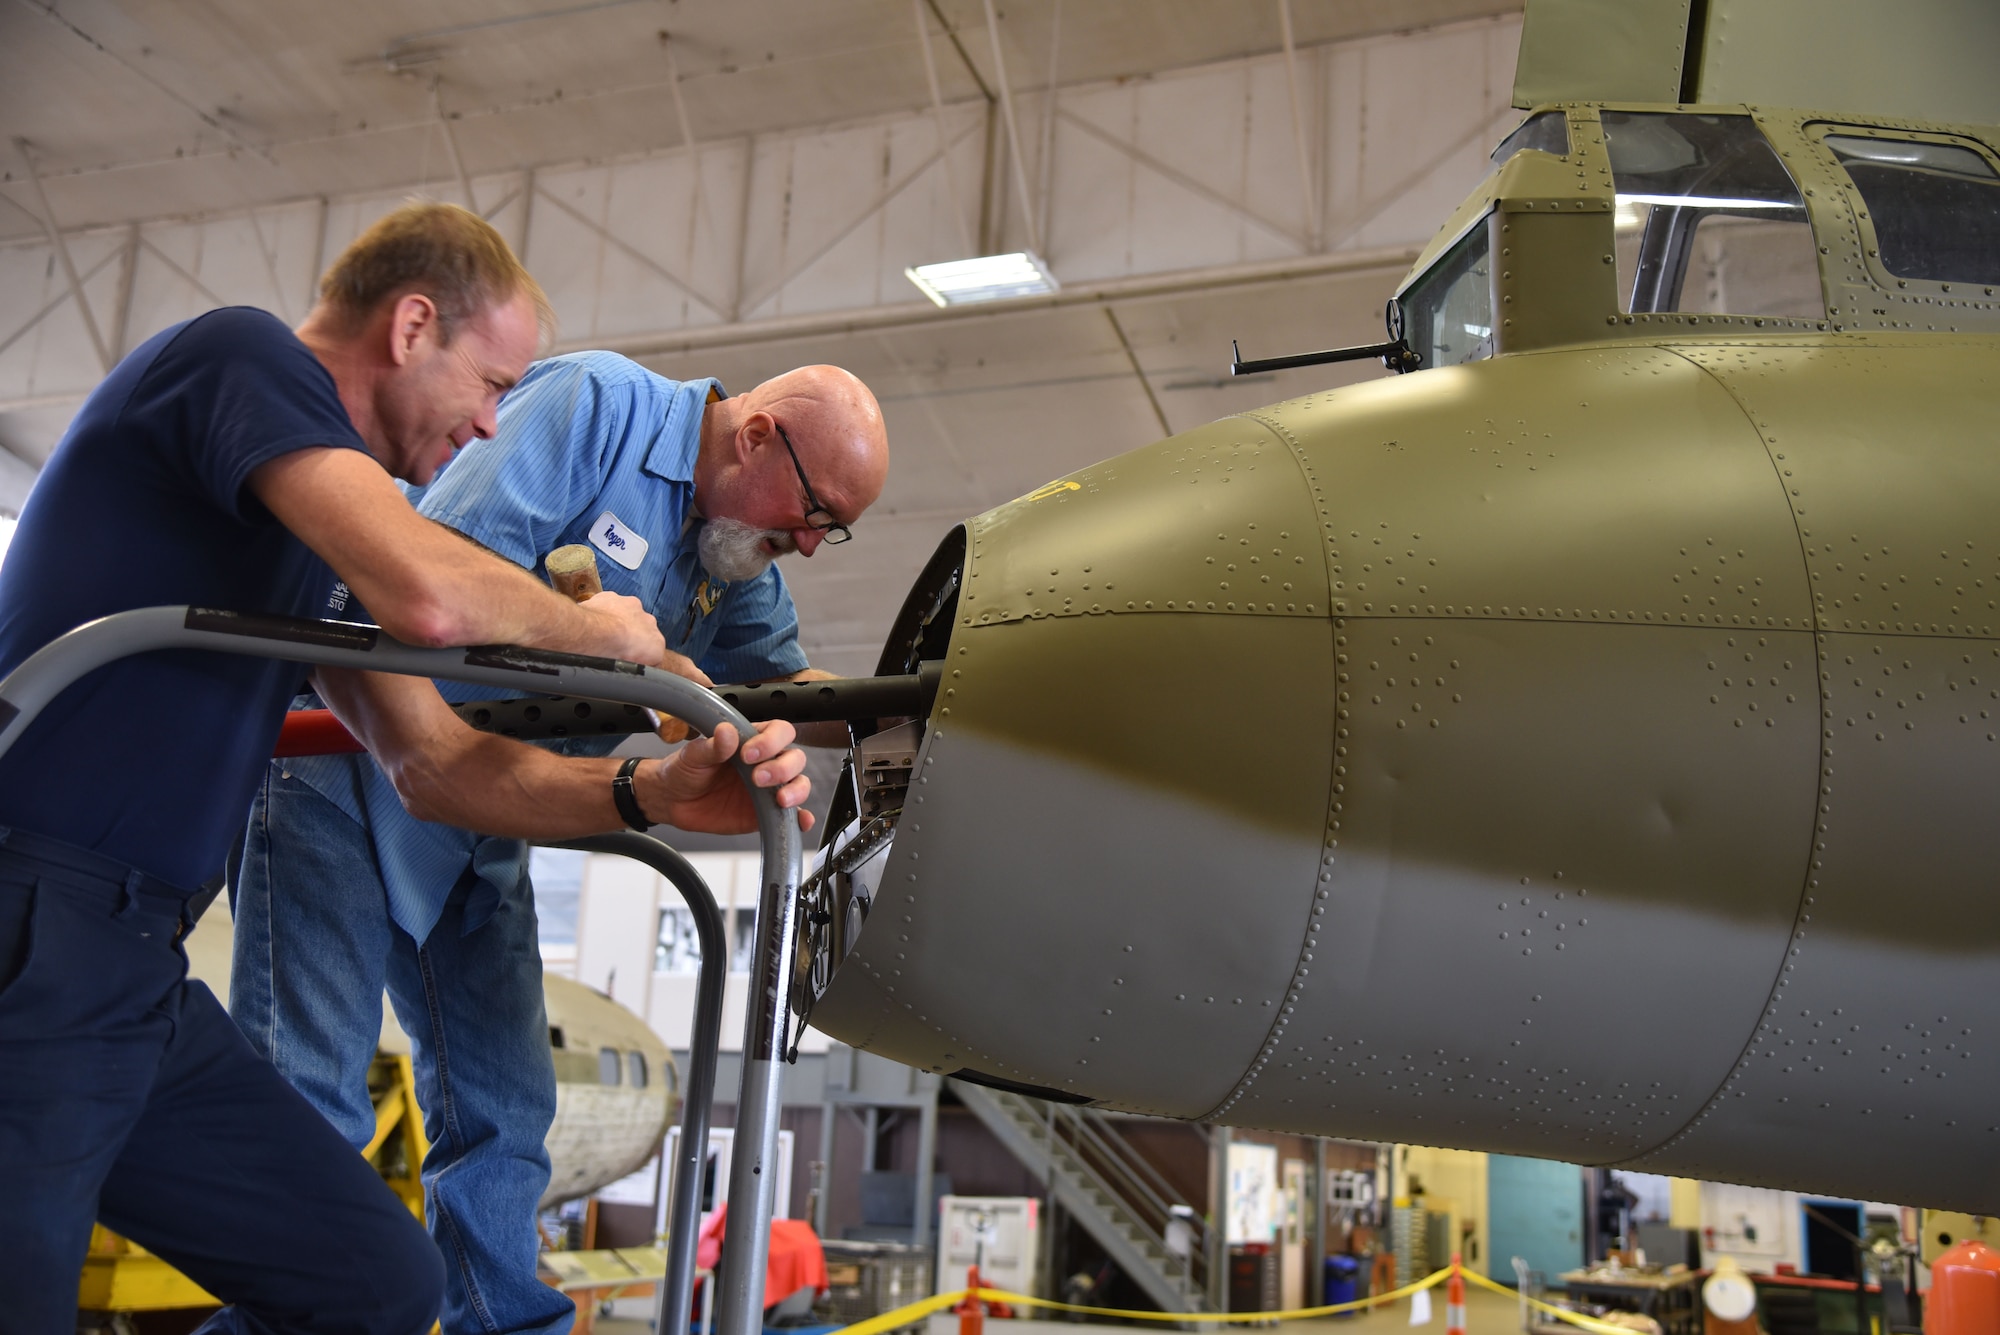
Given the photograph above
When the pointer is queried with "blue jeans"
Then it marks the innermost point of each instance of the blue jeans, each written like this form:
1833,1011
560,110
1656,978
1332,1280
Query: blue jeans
126,1095
315,947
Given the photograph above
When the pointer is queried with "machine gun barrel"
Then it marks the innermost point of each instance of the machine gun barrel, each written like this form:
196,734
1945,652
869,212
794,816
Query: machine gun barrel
840,700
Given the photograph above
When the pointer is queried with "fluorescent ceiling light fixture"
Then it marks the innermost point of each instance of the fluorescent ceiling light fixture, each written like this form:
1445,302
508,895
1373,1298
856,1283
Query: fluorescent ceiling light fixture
1708,202
988,278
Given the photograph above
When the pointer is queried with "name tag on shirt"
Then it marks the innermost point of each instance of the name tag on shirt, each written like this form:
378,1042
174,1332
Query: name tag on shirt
612,536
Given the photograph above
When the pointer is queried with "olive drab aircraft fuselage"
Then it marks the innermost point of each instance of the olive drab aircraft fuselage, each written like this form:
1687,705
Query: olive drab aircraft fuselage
1585,745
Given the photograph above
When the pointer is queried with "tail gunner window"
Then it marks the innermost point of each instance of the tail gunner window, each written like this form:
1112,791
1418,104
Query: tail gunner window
1709,221
1935,206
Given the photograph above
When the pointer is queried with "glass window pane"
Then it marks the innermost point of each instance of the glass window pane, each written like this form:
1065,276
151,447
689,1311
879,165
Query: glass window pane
1547,132
1936,207
1709,221
745,948
608,1066
635,1067
678,949
1448,313
1751,266
557,875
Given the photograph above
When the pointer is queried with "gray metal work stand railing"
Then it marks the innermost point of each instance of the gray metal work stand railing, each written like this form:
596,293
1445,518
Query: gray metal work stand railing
752,1185
704,1055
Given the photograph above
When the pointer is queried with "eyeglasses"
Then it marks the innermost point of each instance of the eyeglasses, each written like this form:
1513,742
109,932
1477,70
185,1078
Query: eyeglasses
818,517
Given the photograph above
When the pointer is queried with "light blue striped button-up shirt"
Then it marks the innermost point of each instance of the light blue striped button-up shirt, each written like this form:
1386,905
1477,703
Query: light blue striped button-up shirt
592,448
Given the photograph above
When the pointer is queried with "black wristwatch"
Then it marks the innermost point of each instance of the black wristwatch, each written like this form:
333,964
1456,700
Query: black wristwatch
623,796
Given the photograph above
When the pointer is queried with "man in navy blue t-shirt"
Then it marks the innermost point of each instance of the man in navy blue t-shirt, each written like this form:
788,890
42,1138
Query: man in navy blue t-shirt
228,463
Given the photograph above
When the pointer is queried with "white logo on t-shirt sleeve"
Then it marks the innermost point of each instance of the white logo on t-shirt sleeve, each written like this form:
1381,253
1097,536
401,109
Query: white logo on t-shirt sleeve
615,538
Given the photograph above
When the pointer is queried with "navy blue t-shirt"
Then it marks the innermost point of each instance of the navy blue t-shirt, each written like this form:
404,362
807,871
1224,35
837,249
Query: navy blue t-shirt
152,760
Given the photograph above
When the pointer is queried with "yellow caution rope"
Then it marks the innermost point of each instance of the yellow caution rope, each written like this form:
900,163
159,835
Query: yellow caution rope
1590,1323
916,1311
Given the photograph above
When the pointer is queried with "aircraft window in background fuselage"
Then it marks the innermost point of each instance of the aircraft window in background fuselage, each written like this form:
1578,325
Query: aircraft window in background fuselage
635,1069
1936,207
1448,313
609,1067
1547,132
1709,221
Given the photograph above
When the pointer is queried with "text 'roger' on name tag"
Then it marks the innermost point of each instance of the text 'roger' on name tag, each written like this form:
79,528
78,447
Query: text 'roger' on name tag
615,539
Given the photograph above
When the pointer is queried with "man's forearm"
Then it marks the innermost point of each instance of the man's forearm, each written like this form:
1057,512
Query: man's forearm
503,787
424,583
446,772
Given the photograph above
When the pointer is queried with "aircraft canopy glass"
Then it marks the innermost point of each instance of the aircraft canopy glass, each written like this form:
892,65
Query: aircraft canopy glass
1935,206
1708,221
1447,314
1545,132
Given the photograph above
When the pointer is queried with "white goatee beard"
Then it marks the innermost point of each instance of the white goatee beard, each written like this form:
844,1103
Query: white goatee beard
732,550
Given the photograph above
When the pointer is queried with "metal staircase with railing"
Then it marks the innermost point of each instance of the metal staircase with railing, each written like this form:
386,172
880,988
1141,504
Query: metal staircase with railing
1106,1185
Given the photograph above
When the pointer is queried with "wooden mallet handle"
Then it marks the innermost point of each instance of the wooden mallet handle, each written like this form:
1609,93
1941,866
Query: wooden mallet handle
573,572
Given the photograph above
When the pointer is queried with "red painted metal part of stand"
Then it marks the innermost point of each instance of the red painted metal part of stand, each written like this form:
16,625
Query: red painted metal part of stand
314,732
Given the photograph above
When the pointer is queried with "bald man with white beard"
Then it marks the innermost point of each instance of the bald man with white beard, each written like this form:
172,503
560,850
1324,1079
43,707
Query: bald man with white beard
687,496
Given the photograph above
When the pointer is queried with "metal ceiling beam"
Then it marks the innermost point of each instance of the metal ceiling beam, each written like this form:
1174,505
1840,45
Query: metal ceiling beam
943,130
62,253
137,71
1311,196
978,79
270,271
1370,209
1184,181
28,324
128,273
629,249
699,204
1138,371
916,315
451,145
881,202
1048,162
1013,132
921,314
186,277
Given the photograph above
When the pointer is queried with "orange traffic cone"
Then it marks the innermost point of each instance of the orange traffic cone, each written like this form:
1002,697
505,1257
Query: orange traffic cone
971,1311
1454,1300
